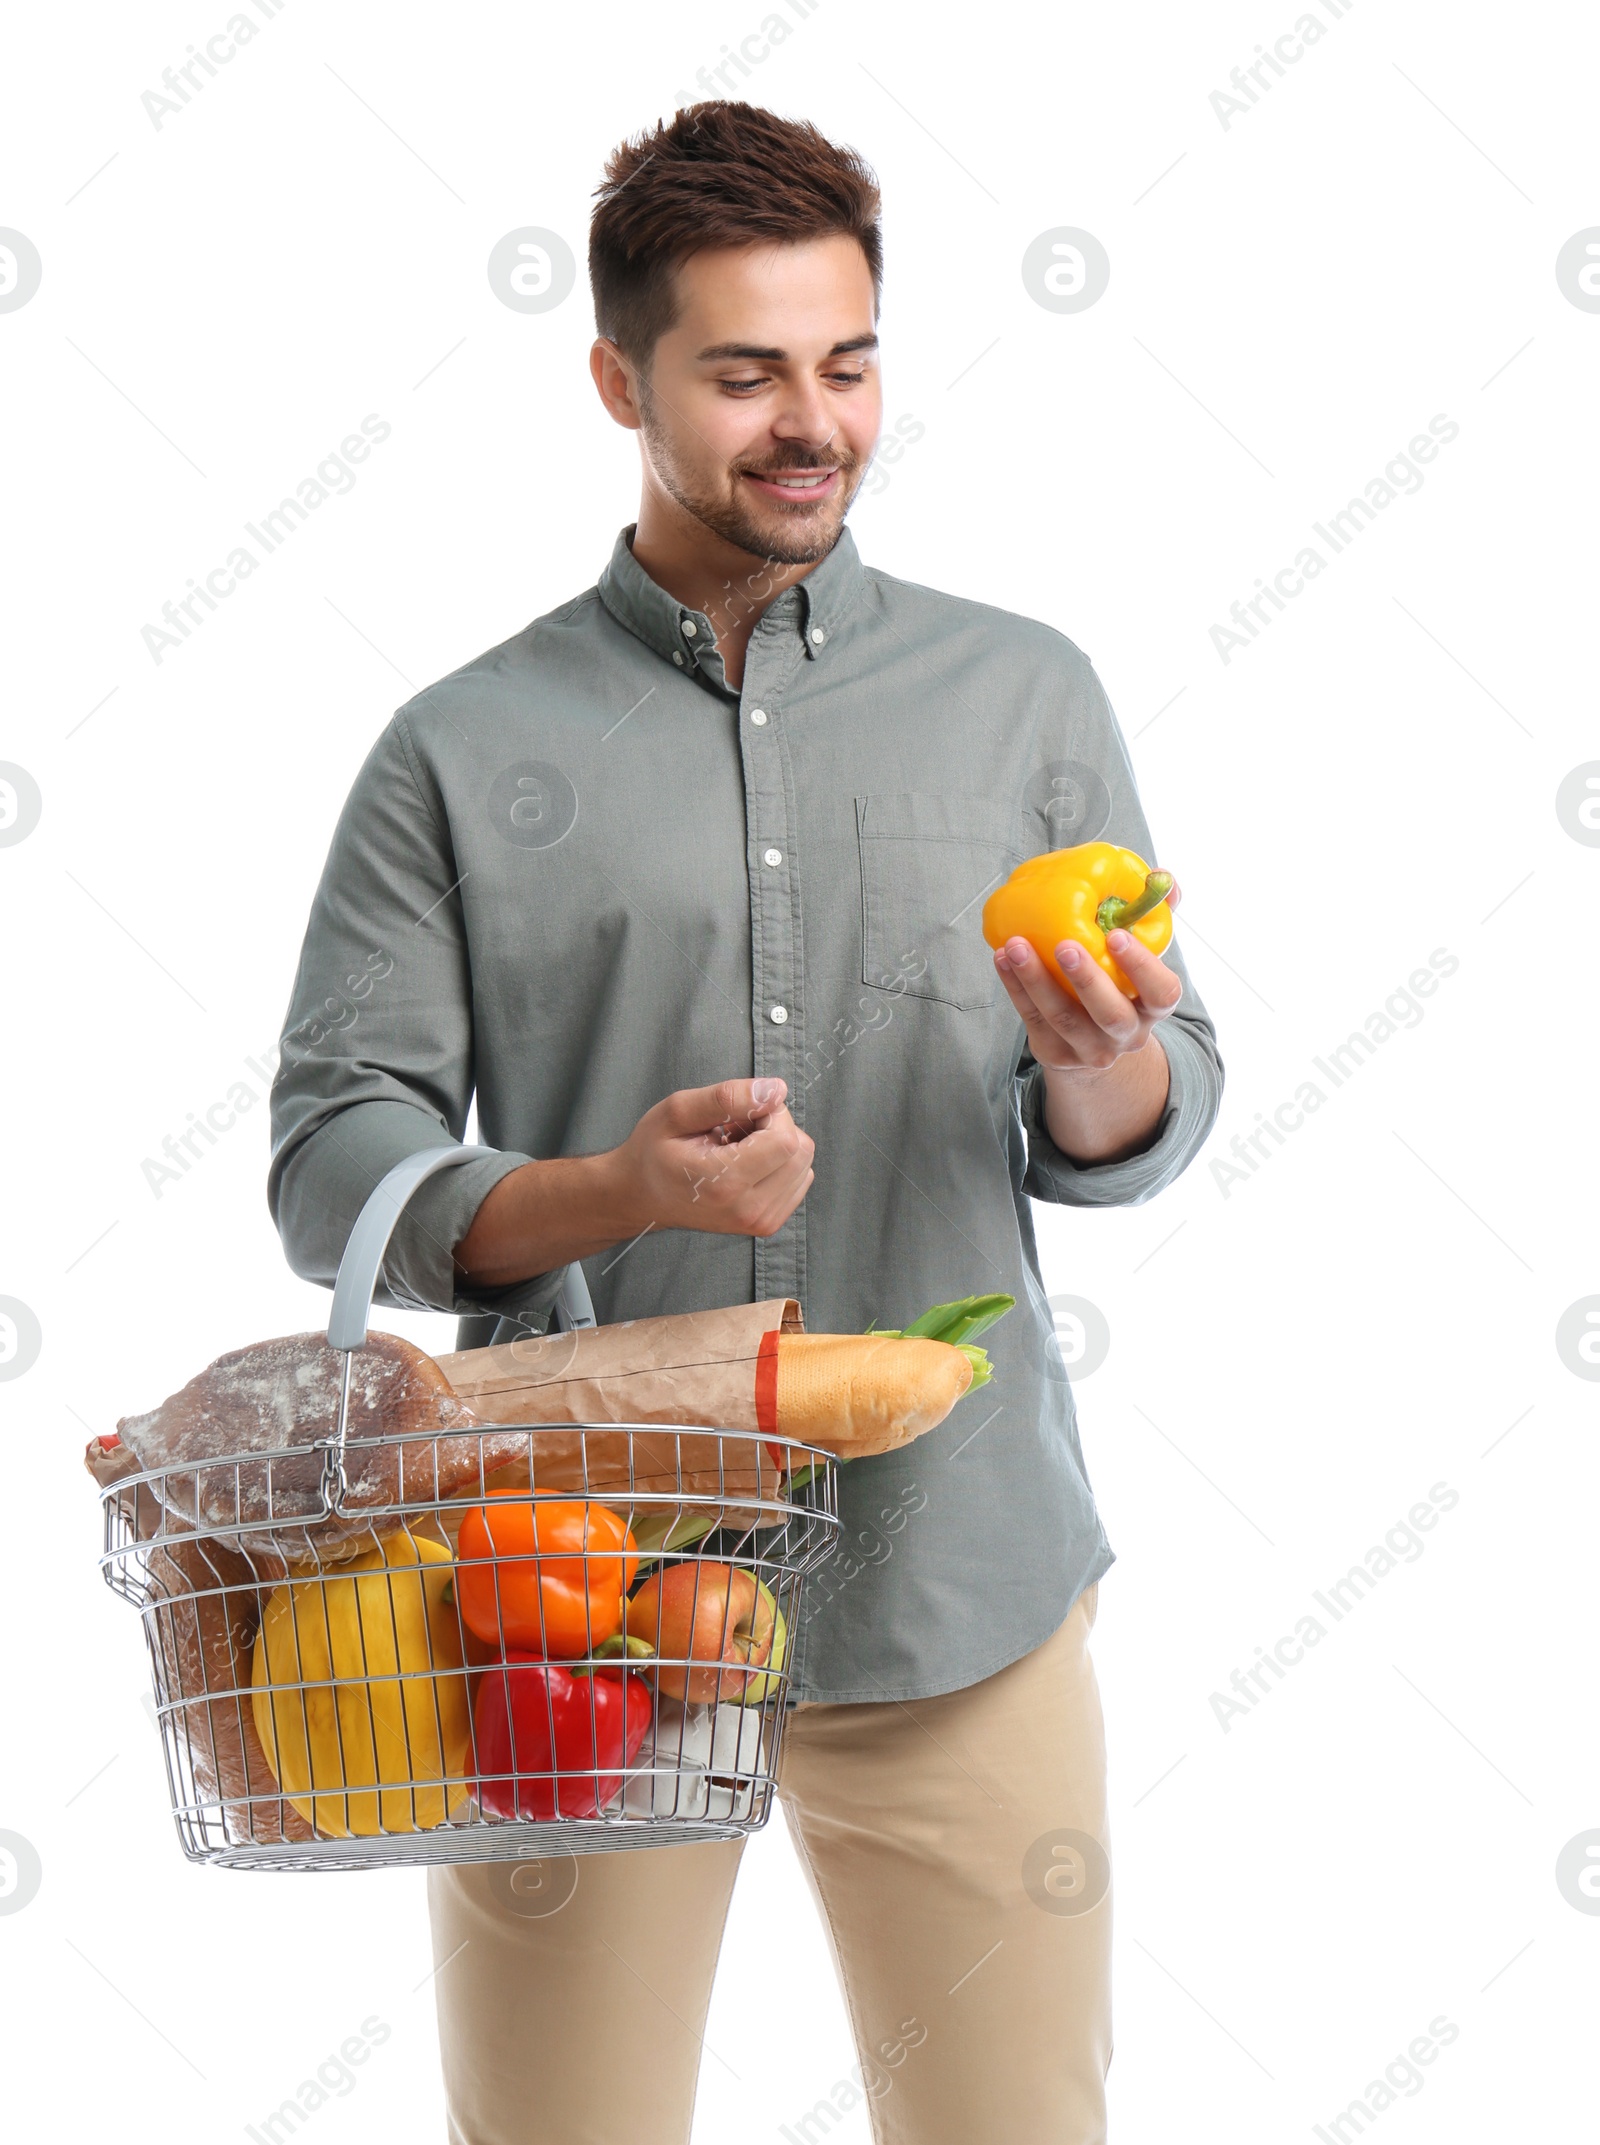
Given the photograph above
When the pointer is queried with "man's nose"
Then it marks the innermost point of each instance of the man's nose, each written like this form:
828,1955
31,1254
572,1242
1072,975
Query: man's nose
805,417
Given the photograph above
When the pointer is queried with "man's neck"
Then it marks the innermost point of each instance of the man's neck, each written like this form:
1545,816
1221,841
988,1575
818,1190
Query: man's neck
733,587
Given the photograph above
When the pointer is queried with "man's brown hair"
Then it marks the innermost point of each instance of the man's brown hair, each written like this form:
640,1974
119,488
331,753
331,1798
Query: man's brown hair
721,174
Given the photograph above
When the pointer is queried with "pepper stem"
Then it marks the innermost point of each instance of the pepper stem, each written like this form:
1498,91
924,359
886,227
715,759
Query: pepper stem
1115,914
620,1646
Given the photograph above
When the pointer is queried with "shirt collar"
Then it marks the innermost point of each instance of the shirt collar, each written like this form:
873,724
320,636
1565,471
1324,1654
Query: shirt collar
813,608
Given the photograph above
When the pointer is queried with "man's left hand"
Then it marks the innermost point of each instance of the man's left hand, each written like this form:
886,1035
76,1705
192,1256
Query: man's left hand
1088,1033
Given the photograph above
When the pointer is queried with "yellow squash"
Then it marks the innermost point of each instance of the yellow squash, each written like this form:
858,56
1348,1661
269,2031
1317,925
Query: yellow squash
380,1741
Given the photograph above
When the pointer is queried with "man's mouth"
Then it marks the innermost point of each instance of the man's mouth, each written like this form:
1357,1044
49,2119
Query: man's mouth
803,485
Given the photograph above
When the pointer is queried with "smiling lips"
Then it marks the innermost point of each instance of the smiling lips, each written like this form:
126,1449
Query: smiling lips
803,485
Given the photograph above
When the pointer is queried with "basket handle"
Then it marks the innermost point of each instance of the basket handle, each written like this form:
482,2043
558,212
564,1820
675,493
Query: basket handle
358,1277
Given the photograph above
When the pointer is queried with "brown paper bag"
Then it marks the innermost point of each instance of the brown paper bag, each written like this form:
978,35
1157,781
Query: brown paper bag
696,1369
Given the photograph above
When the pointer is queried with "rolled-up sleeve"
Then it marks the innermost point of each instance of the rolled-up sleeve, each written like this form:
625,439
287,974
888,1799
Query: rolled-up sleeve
1193,1098
1088,736
376,1057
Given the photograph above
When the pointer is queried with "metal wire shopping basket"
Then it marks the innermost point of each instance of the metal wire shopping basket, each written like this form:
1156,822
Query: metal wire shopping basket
349,1682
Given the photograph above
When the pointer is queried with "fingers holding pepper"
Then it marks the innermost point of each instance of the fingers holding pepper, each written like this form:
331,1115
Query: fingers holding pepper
1082,894
1078,936
1158,987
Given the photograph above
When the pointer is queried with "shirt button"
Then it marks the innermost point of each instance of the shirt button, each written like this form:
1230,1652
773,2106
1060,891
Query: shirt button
773,856
818,635
689,629
758,716
677,657
780,1013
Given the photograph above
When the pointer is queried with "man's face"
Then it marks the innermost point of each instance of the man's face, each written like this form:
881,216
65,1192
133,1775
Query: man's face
770,372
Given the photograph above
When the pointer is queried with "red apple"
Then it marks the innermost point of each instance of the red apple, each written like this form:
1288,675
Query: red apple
700,1611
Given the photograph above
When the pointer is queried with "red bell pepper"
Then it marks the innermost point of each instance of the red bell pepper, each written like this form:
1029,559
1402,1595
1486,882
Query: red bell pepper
536,1717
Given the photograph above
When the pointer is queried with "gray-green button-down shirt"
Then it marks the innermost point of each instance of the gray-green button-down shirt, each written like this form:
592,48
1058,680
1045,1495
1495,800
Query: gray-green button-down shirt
583,871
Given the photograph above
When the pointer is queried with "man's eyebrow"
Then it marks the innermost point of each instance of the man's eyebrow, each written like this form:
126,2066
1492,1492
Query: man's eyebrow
762,355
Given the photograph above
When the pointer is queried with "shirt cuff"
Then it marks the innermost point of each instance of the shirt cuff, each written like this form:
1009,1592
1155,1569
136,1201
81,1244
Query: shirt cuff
1193,1096
320,1189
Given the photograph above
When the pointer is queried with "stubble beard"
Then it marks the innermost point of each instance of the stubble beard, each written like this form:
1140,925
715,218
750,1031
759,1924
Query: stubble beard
781,540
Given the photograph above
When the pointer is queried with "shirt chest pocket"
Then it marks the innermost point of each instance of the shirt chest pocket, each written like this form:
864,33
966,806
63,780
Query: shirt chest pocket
928,864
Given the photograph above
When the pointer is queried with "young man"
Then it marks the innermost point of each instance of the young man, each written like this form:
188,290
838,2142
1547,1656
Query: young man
683,882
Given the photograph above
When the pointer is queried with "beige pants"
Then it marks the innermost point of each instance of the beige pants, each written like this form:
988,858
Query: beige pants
956,1848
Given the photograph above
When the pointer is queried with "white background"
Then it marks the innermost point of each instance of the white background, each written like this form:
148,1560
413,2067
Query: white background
1292,298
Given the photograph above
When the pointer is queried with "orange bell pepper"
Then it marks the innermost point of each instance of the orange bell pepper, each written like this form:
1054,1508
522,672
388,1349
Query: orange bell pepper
1082,894
544,1576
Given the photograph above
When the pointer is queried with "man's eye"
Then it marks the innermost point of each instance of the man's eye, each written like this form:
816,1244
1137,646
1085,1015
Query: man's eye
736,387
849,379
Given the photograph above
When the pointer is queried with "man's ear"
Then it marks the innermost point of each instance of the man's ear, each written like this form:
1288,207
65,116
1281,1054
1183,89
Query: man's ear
614,380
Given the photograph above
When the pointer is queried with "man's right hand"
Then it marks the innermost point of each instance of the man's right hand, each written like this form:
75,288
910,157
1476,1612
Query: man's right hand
727,1158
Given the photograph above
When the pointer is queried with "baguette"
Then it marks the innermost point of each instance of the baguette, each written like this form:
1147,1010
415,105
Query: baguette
846,1393
750,1367
856,1393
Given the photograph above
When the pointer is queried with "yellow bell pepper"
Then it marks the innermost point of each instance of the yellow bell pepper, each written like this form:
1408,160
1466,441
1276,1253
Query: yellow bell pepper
1082,894
388,1707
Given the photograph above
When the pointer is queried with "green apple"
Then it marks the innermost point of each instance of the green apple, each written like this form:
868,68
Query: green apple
759,1687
